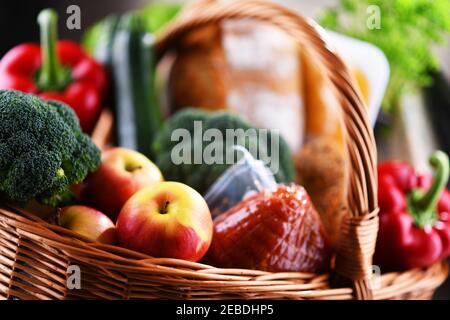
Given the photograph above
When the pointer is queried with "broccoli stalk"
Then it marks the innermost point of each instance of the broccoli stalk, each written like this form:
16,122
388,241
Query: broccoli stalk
42,149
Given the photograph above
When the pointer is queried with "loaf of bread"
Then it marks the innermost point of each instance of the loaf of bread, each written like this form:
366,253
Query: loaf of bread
247,67
197,77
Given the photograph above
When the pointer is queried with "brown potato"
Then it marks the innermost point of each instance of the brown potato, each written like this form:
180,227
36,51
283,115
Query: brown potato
321,170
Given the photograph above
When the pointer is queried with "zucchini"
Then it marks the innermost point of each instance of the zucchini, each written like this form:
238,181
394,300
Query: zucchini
137,114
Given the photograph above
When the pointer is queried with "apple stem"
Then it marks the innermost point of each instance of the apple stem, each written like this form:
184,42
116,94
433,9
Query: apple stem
131,168
164,209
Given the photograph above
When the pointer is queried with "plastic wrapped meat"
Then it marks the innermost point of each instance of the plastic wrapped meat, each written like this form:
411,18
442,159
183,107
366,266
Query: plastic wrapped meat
246,177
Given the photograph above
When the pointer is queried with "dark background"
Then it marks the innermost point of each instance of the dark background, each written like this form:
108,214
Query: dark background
18,24
18,17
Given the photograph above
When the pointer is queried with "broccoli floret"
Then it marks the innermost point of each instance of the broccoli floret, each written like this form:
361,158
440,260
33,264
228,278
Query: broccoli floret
201,176
42,149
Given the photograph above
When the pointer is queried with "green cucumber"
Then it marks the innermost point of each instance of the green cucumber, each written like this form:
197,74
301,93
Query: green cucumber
137,114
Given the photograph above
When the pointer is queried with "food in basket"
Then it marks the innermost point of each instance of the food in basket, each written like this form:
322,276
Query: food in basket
247,67
201,64
323,113
121,174
169,220
273,231
42,149
193,123
245,177
88,222
321,170
257,71
232,81
363,83
320,164
414,229
60,71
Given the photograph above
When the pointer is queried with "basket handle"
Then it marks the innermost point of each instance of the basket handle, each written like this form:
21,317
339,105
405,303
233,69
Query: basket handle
359,229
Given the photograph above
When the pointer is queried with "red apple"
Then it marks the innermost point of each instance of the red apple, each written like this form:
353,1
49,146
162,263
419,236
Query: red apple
169,220
121,174
88,222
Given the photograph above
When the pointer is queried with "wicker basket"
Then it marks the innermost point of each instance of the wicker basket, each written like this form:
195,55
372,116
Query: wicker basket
35,256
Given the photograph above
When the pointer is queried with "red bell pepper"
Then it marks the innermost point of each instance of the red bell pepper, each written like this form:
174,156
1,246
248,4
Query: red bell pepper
60,71
414,228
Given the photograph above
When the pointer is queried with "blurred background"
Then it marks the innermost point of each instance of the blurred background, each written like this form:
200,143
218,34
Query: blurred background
409,126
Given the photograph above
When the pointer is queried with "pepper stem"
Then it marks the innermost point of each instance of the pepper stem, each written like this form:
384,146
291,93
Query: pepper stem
423,205
52,76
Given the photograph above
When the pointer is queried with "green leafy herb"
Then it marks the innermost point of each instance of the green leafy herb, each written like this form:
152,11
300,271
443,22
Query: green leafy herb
408,31
157,15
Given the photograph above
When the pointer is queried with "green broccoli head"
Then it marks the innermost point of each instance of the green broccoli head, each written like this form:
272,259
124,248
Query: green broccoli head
42,149
201,176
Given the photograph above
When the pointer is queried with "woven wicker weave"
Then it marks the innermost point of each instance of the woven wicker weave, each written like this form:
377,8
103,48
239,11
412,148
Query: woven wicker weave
35,255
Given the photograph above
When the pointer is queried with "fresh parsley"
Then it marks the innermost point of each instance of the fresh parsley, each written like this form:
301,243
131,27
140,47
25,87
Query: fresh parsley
408,32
